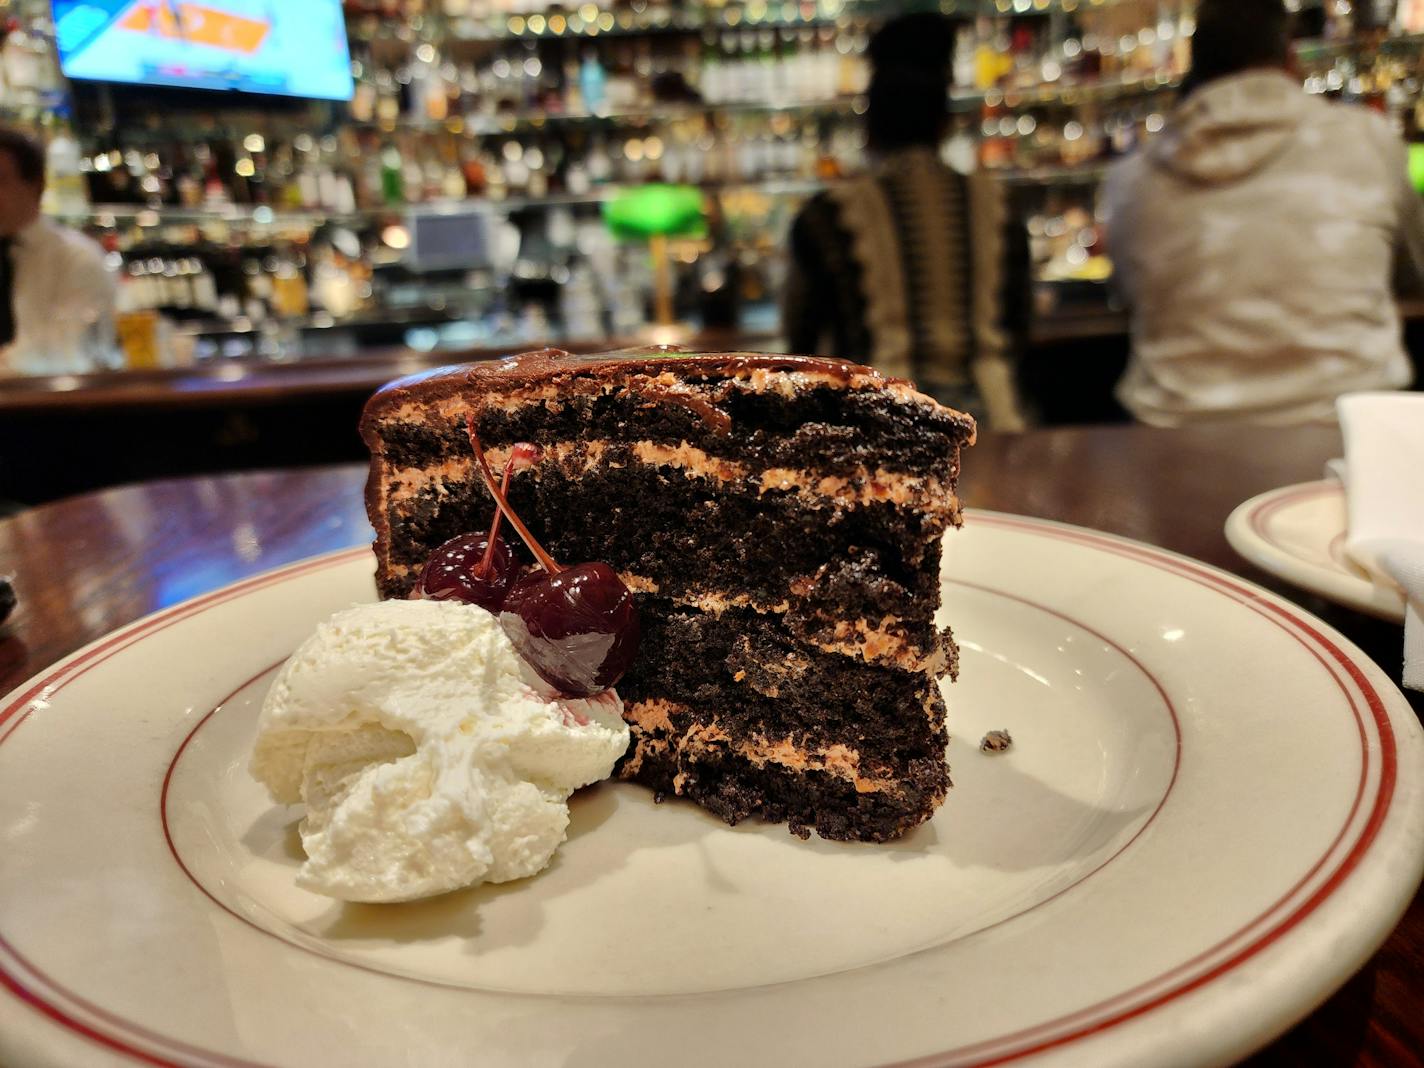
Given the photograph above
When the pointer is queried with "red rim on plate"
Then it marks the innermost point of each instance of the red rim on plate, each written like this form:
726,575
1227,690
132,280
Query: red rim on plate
1271,503
1328,572
31,986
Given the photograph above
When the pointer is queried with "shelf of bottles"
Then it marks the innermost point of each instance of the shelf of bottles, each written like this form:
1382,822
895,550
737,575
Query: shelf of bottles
736,98
483,21
259,230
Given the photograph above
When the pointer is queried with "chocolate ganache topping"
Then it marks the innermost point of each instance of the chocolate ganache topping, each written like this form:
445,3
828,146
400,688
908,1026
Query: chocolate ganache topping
552,365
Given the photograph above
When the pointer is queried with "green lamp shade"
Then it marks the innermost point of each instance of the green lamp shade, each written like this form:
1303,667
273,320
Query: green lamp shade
1416,167
652,210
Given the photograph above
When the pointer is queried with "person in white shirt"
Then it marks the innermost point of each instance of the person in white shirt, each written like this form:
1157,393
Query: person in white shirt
56,295
1257,239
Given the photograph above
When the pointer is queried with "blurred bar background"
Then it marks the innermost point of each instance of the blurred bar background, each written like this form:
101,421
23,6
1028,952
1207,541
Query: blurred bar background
280,256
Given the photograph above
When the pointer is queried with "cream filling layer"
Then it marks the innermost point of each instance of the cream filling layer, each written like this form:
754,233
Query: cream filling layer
654,715
859,639
863,486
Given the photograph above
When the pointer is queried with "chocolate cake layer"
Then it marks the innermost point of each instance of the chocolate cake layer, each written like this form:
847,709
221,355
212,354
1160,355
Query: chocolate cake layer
761,681
685,533
825,429
735,784
779,521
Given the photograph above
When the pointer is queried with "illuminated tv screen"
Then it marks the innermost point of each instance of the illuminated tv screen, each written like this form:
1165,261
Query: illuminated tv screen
274,47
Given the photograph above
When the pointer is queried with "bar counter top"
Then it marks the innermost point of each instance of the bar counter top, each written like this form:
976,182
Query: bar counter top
1066,331
259,381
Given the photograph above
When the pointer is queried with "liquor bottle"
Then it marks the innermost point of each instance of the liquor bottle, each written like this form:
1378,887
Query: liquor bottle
987,58
712,77
64,191
472,169
215,191
187,177
599,165
22,64
621,91
364,94
592,82
392,176
965,59
412,174
452,176
338,192
290,296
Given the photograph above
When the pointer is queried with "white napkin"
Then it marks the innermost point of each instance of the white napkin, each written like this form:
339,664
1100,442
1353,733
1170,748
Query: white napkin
1384,492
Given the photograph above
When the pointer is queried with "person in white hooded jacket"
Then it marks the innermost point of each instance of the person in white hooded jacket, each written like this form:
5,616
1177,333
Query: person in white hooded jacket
1257,241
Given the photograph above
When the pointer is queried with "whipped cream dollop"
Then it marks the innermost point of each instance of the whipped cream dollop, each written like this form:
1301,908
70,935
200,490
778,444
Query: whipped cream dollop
428,754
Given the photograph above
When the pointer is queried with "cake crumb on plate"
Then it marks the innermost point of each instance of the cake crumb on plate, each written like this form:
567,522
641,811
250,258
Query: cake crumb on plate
995,742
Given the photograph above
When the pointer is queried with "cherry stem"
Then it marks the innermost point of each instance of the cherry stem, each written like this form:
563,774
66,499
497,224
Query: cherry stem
502,502
482,569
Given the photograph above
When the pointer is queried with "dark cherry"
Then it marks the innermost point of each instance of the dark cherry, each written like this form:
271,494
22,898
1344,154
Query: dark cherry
477,568
464,569
577,627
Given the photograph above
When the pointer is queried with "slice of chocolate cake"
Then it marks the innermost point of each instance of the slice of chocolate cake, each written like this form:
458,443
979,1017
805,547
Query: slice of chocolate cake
779,520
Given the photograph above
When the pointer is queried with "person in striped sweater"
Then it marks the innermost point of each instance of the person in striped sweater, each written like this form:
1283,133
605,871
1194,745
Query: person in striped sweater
914,268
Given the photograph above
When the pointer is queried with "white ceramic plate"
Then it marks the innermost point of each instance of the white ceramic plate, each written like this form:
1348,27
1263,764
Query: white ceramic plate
1297,533
1211,815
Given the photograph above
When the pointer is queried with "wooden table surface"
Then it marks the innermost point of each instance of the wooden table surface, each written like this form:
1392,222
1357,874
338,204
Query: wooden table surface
92,563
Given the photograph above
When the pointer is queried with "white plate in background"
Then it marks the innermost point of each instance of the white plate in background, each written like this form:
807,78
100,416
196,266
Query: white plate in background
1297,533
